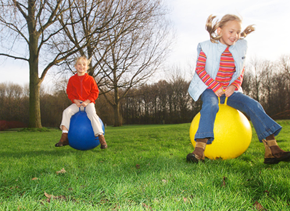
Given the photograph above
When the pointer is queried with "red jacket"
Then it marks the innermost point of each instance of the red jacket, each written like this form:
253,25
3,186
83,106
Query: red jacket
85,89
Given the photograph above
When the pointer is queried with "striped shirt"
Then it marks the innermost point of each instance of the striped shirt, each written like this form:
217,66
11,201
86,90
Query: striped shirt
225,73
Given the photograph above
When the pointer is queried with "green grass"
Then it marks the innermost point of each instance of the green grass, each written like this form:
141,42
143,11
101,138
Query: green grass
144,168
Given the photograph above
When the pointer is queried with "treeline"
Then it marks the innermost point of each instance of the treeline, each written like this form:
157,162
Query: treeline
163,102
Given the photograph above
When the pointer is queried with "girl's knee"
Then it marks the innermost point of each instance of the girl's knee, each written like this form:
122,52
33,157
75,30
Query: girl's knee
211,106
67,111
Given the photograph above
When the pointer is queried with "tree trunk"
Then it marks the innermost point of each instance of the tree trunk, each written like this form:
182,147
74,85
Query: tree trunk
117,116
34,102
34,81
34,88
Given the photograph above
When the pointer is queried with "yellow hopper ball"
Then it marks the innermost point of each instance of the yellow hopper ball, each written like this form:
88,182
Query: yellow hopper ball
232,133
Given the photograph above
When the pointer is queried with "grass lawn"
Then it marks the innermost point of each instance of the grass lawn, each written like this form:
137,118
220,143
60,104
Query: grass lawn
144,168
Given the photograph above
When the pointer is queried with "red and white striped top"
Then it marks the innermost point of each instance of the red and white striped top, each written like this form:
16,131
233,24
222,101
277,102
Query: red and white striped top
226,70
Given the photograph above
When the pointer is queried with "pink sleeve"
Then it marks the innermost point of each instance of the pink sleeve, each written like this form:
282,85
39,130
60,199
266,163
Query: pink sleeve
203,75
238,82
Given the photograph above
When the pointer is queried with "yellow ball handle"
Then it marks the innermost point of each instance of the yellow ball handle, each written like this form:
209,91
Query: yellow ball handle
226,101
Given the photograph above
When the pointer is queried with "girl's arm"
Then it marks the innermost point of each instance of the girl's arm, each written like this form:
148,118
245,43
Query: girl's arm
94,92
203,75
238,82
235,85
71,92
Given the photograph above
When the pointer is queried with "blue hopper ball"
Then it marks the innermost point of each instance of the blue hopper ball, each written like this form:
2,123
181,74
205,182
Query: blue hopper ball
81,135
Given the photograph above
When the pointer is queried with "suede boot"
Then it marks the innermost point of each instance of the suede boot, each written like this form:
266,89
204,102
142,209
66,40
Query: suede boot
103,142
273,153
63,140
198,153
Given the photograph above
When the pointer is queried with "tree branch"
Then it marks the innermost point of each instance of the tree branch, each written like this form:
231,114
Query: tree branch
14,57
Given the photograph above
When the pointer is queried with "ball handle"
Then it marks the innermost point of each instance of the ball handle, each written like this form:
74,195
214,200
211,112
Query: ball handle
226,101
82,106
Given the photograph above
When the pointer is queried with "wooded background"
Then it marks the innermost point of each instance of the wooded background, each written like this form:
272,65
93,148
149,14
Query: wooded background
162,102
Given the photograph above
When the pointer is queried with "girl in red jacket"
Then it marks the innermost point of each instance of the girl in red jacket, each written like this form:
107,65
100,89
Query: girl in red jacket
82,90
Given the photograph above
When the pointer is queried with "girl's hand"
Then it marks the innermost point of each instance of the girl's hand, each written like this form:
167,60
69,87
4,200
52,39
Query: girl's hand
230,90
219,92
78,103
85,103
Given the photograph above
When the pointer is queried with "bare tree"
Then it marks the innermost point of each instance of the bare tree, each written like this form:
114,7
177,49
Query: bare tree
30,29
256,68
285,66
136,49
96,17
128,47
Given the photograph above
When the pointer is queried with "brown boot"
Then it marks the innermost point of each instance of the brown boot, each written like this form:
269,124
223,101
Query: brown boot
273,153
103,142
198,153
63,140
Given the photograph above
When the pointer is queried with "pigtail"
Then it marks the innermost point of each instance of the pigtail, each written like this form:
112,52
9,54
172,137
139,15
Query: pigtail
211,28
247,31
89,61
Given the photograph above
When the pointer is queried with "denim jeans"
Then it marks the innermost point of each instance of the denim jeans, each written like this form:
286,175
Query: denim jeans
262,123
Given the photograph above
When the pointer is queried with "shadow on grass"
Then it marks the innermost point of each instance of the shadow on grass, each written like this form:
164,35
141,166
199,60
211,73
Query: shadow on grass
49,152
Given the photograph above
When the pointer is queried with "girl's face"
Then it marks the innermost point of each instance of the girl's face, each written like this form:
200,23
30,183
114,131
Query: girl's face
230,32
81,67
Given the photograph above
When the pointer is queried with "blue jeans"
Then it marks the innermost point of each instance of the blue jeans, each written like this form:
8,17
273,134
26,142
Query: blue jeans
262,123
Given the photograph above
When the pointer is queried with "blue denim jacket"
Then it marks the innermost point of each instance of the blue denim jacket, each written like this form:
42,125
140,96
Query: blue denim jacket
213,52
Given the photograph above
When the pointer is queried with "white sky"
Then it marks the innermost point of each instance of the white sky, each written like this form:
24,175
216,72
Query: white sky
269,41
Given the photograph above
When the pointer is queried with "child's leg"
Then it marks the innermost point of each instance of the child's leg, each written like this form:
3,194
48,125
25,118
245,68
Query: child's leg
263,124
64,126
266,128
66,116
96,124
204,134
207,116
198,153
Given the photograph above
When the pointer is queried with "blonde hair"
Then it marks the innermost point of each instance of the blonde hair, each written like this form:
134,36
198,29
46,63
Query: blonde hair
212,27
83,58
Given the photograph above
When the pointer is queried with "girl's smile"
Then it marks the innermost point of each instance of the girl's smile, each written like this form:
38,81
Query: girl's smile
81,67
230,32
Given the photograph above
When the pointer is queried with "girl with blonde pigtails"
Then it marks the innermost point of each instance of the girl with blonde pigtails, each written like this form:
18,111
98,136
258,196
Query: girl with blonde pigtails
219,74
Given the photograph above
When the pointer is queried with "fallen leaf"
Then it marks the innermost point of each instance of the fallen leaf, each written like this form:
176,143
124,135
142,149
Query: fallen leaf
146,206
258,206
53,197
34,178
47,195
62,171
224,182
137,166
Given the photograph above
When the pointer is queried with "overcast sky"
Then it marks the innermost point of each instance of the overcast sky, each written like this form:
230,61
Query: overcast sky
270,40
